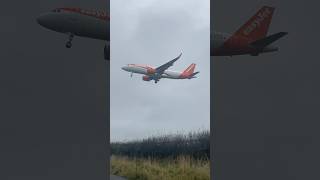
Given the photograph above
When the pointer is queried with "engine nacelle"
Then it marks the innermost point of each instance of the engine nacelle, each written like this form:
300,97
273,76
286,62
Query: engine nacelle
146,78
151,70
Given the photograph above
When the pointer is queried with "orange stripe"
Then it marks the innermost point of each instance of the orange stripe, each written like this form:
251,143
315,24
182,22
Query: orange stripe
100,15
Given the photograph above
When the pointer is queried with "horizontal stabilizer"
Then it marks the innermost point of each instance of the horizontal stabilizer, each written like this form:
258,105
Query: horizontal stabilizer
261,43
193,75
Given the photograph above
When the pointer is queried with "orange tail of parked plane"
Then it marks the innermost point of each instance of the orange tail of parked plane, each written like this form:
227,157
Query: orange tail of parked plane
251,38
257,26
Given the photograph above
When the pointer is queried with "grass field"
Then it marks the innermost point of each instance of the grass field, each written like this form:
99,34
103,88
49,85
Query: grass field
180,168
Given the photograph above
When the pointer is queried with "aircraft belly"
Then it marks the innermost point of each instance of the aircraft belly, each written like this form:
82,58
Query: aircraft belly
92,28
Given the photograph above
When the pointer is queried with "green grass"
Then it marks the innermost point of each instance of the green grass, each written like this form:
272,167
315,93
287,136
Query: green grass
181,168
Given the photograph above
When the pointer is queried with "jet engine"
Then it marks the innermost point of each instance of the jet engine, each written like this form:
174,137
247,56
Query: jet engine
146,78
151,70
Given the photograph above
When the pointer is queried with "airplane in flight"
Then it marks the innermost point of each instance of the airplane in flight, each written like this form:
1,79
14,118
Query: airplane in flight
251,38
79,22
152,73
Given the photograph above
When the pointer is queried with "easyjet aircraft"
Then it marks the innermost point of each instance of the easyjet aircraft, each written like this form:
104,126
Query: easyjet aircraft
152,73
79,22
251,38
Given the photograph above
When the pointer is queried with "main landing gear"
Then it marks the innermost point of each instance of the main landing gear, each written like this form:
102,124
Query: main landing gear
69,43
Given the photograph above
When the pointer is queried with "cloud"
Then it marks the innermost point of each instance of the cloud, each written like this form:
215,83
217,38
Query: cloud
154,32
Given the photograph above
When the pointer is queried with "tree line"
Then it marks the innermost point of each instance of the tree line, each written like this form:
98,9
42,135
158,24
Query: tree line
194,144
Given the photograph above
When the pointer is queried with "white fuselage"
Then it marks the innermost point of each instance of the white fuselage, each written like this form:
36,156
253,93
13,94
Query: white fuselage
79,22
147,70
172,75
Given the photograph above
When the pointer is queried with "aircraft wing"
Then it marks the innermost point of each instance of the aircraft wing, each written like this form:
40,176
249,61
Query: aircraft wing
165,66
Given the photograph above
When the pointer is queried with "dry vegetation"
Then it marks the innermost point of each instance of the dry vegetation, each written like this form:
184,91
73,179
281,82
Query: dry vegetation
181,168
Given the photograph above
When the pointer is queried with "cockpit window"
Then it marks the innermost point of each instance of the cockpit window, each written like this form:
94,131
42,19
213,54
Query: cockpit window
56,10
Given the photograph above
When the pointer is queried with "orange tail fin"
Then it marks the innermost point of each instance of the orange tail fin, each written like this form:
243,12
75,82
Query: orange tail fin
189,71
258,25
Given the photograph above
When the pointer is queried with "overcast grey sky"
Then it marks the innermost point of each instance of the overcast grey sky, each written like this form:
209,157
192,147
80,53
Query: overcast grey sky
154,32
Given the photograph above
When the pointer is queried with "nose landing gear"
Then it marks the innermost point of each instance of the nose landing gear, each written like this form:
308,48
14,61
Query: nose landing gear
69,43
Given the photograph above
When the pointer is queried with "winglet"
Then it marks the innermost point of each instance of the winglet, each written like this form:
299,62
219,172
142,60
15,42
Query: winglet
179,56
165,66
175,59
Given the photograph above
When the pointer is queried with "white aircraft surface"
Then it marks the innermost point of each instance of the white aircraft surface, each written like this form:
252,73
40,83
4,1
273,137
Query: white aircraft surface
156,73
79,22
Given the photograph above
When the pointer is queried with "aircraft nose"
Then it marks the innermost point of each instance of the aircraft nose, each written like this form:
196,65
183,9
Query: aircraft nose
43,20
125,68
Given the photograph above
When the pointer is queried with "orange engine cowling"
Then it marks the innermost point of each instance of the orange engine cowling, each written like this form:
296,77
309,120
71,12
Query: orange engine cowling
146,78
151,70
